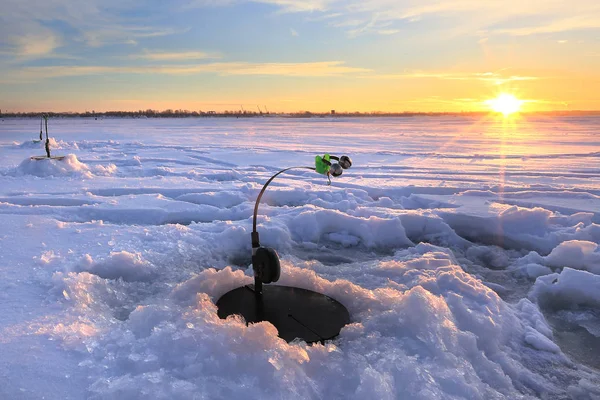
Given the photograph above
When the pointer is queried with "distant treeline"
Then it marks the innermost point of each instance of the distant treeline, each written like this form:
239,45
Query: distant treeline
253,114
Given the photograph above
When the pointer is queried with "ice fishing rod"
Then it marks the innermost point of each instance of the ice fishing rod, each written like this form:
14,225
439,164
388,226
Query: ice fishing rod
47,145
295,312
323,166
265,260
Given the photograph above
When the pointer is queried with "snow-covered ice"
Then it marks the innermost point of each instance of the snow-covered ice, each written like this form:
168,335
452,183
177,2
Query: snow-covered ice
466,250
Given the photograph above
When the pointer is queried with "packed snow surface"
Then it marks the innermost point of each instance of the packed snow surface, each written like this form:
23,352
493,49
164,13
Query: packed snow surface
466,251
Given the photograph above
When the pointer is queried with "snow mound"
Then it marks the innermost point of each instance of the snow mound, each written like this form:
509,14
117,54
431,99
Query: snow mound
104,170
570,288
39,144
574,254
525,221
62,145
221,199
428,227
516,227
29,144
225,176
68,166
533,270
577,254
130,267
312,226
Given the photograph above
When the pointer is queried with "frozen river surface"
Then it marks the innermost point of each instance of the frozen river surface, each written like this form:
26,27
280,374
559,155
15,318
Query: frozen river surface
466,250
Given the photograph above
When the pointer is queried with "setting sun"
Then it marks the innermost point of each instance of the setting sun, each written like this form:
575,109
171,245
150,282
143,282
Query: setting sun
505,104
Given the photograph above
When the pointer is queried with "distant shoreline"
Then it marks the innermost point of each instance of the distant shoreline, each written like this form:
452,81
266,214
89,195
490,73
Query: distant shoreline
230,114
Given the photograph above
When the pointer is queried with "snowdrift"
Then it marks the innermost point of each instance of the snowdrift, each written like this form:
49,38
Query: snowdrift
70,166
421,328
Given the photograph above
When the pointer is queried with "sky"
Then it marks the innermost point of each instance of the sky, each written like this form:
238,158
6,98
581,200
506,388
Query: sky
287,55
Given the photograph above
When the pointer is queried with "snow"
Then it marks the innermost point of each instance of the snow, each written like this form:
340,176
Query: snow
130,267
568,288
466,251
579,254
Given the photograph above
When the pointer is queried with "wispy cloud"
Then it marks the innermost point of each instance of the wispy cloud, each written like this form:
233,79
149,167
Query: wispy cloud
33,28
575,23
98,23
298,5
287,6
125,34
538,16
36,45
306,69
388,31
374,25
497,78
325,16
348,23
309,69
314,69
174,56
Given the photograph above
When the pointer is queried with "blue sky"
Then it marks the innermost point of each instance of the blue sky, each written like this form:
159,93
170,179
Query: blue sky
297,55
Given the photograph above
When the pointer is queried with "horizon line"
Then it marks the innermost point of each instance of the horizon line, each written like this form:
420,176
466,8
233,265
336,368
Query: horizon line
192,113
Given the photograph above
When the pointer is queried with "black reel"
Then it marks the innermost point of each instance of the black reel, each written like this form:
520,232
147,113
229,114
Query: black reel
266,264
336,169
343,162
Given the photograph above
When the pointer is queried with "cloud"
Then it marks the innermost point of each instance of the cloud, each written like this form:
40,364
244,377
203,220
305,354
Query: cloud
98,23
314,69
23,38
92,22
371,25
208,3
306,69
575,23
174,56
388,31
348,23
309,69
292,6
324,17
36,45
287,6
497,78
465,16
116,34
